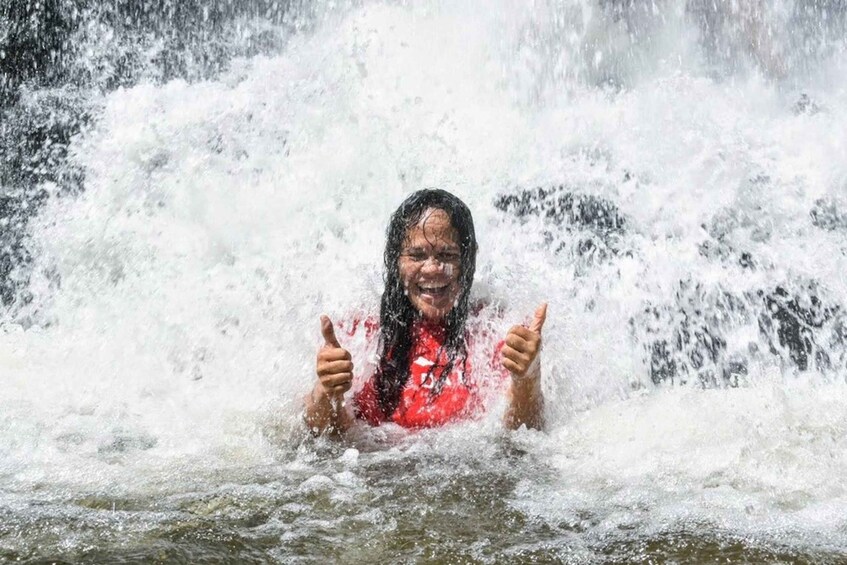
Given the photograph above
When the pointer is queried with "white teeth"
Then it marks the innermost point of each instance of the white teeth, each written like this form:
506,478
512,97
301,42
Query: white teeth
433,287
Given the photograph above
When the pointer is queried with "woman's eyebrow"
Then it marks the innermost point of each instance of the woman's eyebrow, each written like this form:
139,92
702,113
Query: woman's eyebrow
424,248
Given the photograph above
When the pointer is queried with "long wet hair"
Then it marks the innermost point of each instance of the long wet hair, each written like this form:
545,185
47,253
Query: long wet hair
396,313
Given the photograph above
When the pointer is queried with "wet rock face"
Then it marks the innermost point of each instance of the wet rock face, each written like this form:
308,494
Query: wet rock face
564,208
776,37
34,141
796,324
724,252
828,214
805,105
57,57
53,42
732,229
11,250
688,338
35,136
591,225
34,43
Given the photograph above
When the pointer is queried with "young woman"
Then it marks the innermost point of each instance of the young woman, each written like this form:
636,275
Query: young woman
424,376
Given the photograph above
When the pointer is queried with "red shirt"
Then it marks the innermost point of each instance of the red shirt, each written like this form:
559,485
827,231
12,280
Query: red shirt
460,397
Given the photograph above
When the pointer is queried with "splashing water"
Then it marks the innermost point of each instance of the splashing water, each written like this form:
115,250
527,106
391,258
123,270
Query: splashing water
669,176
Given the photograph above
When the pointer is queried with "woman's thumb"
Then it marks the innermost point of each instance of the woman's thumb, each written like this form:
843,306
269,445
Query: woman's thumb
328,332
538,319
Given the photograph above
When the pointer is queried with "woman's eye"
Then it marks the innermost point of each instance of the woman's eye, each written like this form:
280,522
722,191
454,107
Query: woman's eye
442,257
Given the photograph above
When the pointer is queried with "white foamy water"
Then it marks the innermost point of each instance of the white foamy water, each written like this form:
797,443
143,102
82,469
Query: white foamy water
174,315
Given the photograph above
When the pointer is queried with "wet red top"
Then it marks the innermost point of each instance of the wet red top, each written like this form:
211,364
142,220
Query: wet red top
420,406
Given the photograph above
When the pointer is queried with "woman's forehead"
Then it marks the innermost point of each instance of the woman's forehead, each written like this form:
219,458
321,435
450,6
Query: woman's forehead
434,228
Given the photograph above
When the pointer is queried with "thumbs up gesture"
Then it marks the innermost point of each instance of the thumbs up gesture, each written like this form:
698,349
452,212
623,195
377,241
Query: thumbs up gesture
334,365
522,346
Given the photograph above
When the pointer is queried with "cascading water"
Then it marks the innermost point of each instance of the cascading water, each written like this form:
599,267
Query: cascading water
669,175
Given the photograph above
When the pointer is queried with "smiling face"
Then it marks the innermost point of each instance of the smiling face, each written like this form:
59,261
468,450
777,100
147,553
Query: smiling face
430,265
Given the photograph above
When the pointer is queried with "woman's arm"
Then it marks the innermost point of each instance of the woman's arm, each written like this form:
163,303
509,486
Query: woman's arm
326,413
526,404
325,410
522,357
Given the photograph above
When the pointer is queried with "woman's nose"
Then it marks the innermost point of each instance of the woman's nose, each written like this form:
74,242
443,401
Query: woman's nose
432,265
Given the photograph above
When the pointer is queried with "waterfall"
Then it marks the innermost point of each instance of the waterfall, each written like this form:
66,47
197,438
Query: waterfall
186,187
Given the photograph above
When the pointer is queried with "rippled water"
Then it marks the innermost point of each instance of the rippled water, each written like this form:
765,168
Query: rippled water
671,178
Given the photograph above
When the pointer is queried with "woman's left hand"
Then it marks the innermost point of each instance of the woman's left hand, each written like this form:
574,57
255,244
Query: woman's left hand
522,347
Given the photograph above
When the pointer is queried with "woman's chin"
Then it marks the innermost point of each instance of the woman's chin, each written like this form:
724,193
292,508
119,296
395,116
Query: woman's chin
433,312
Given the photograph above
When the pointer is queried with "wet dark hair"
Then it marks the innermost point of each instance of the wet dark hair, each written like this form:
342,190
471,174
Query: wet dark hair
396,313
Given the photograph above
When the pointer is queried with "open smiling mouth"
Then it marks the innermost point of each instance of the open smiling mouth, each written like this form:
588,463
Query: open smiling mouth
434,292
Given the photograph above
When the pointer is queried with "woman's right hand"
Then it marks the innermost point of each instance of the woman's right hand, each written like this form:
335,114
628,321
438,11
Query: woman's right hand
325,410
334,365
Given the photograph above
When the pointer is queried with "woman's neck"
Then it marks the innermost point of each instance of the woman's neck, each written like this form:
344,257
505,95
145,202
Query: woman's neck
435,327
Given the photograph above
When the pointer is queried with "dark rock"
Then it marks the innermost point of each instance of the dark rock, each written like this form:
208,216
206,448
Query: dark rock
563,207
35,137
662,364
35,44
805,105
828,215
734,371
732,228
588,226
685,340
729,222
792,322
56,56
725,253
34,140
12,252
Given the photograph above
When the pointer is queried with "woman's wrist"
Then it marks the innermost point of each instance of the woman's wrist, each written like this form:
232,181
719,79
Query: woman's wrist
320,397
321,414
528,385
